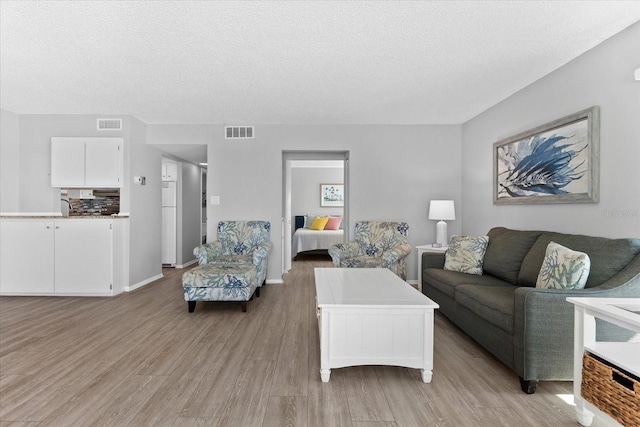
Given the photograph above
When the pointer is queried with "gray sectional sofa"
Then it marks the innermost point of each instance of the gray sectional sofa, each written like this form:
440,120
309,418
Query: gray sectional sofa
530,329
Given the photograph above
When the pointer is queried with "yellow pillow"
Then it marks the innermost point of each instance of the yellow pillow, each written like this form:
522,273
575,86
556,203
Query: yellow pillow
319,223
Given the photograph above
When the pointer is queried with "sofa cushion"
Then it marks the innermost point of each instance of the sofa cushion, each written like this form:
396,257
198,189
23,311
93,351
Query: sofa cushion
608,256
466,254
446,281
563,268
492,303
507,248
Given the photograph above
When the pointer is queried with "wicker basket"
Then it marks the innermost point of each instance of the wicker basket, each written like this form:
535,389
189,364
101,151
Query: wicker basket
611,390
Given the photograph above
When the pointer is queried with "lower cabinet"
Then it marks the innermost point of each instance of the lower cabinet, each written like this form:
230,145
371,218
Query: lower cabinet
26,257
57,257
83,251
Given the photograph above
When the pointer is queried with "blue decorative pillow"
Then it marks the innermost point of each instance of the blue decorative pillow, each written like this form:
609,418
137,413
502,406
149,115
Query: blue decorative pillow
563,268
466,254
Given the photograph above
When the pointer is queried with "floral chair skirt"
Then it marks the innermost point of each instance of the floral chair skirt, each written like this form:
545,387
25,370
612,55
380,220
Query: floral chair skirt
361,262
399,268
214,282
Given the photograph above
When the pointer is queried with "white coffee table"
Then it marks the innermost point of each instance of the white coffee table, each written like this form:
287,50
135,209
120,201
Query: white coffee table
369,316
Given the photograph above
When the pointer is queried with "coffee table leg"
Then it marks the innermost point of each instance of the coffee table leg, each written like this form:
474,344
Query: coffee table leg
325,374
427,374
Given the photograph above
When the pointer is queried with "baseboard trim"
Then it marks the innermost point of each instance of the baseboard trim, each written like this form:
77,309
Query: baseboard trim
144,282
275,281
193,261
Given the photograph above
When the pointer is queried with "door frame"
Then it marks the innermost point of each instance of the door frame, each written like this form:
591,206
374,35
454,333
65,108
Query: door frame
316,155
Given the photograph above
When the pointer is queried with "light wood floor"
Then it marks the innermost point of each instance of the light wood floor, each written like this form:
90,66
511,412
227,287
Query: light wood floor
141,359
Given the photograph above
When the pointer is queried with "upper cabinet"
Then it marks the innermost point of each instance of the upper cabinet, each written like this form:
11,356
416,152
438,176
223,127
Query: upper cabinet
169,171
86,162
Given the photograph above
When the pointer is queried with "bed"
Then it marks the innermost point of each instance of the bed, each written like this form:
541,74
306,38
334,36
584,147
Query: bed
305,240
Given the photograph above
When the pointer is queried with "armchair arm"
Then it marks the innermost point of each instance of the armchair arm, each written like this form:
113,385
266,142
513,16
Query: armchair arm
396,254
260,260
208,251
342,251
261,253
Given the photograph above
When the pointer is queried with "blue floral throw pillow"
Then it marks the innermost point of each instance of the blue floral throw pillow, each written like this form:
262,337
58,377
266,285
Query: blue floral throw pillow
563,268
466,254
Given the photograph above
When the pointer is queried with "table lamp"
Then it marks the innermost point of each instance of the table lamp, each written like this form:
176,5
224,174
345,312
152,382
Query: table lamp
441,210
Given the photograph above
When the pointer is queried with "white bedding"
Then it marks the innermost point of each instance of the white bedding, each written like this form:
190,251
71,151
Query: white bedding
310,240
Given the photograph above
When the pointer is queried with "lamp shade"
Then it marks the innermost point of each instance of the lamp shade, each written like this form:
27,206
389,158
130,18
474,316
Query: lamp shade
442,210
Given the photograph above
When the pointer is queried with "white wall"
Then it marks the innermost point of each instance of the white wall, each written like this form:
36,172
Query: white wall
602,76
145,205
305,189
9,161
394,172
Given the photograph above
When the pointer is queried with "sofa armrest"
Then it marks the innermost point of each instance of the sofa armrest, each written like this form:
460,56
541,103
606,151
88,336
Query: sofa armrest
543,326
433,260
396,254
208,251
342,251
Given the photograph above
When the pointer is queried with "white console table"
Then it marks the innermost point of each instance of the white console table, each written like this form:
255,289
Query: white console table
624,312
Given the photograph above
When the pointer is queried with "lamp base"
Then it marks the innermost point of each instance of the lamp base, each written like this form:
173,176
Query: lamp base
441,233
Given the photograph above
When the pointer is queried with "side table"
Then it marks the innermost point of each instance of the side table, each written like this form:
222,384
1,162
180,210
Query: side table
422,249
624,312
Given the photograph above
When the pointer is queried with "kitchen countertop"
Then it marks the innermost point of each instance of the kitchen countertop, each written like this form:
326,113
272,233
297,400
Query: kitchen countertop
27,216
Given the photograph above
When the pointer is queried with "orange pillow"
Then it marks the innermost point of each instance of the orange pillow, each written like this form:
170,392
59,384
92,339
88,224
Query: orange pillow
319,223
333,223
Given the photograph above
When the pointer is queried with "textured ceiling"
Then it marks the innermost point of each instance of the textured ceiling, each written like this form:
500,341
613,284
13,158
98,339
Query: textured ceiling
234,62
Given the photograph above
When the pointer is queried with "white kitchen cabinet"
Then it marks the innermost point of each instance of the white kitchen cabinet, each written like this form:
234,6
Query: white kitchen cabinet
67,162
170,171
83,251
102,164
86,162
26,257
63,257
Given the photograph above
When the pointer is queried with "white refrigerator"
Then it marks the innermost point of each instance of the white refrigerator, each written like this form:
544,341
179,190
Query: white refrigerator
169,225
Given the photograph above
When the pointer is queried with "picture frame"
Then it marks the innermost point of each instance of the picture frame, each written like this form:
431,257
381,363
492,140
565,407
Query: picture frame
558,162
331,195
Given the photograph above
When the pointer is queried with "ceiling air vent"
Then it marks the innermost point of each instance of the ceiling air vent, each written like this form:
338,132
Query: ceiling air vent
109,124
238,132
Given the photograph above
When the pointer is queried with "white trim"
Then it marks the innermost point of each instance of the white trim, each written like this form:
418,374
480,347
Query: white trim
193,261
339,164
275,281
144,282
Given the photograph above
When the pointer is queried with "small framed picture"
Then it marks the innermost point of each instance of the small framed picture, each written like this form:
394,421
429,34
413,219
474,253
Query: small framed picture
331,195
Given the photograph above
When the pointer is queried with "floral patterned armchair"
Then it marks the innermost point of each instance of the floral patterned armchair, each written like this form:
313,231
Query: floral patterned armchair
239,242
377,245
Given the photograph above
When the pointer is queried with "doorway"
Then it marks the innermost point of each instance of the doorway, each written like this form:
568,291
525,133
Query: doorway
289,158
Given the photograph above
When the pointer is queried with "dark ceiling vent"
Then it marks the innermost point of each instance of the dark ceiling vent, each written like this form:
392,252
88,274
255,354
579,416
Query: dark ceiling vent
109,124
238,132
